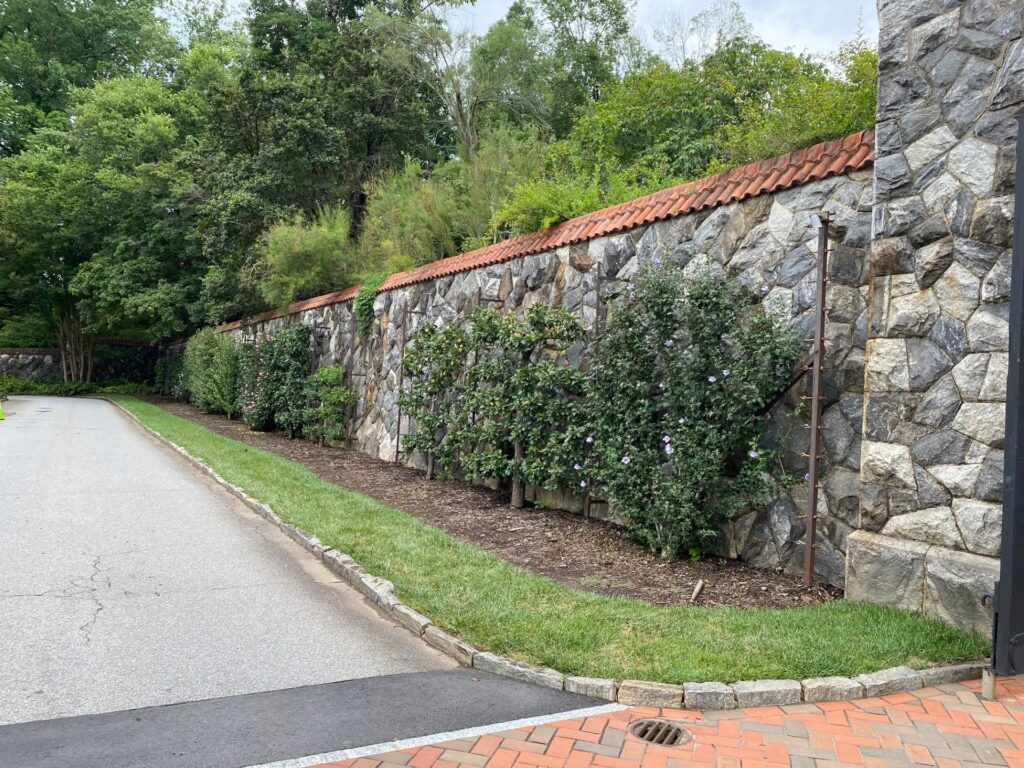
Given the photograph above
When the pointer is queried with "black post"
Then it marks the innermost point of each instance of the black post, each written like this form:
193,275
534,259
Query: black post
1009,599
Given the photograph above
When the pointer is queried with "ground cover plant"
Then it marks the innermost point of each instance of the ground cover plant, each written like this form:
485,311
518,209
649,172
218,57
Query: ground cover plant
507,610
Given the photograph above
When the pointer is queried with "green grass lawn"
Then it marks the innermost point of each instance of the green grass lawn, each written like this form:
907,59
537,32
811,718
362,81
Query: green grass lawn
501,608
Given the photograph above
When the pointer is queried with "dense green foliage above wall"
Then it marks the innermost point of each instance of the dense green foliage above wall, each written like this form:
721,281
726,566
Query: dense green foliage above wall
172,181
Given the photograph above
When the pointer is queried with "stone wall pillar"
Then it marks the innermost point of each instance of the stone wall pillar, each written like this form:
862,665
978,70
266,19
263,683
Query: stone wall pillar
951,77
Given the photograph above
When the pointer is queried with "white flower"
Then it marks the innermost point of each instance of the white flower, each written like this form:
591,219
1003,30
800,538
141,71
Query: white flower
753,454
583,483
726,372
669,450
590,438
577,467
712,379
666,439
625,459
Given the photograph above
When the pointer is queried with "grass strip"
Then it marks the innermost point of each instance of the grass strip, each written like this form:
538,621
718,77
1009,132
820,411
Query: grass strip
502,608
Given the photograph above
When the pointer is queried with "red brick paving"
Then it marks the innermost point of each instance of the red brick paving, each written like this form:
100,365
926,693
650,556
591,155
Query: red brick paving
949,726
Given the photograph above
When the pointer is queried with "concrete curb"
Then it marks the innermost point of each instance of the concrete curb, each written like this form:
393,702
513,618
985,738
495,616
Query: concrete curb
717,696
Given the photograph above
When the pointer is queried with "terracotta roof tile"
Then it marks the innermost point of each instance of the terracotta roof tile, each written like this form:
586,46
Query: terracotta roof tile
800,167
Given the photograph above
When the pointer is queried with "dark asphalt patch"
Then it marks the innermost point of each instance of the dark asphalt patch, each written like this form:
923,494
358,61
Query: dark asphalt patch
278,725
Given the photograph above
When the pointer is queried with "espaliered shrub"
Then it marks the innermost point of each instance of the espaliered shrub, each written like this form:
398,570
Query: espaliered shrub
523,399
327,399
435,364
497,400
210,370
272,380
680,381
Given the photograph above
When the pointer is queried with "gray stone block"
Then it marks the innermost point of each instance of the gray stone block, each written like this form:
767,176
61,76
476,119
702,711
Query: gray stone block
953,673
954,585
881,569
457,649
517,670
892,680
344,566
831,689
596,687
409,618
644,694
767,693
709,696
381,591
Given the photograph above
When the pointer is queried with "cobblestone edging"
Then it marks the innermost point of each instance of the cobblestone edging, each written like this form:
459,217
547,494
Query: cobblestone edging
707,696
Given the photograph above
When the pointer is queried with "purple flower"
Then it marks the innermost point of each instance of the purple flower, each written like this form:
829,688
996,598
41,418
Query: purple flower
753,454
666,439
656,261
625,459
712,379
669,450
807,476
764,289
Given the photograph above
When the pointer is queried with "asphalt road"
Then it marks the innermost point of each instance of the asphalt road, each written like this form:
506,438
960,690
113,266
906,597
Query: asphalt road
148,618
128,579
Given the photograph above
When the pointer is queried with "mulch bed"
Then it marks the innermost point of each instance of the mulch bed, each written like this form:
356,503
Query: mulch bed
589,555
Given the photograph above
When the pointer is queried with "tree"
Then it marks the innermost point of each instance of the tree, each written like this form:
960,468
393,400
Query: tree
99,216
812,107
50,47
686,39
657,127
304,258
585,41
305,120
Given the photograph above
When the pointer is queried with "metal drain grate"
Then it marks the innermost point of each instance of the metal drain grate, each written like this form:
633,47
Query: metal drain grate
660,732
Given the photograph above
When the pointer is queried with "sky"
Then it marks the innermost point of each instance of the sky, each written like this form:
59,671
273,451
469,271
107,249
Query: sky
803,26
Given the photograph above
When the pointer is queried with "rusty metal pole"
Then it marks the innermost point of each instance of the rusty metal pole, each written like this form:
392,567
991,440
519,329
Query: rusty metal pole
817,389
398,399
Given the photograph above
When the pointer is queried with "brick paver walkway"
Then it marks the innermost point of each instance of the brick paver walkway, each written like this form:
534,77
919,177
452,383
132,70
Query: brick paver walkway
947,727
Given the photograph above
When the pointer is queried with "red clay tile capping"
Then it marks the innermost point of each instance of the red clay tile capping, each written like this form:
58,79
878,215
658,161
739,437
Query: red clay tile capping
832,158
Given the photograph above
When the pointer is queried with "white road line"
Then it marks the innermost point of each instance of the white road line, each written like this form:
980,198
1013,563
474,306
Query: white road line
422,741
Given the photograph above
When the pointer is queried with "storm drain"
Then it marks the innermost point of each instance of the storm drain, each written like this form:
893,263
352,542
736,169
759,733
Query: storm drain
660,732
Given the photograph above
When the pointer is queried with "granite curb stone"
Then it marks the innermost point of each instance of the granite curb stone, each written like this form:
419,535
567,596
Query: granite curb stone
767,693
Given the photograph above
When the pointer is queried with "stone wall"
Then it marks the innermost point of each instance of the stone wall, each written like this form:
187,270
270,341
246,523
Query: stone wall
111,361
25,363
766,241
951,78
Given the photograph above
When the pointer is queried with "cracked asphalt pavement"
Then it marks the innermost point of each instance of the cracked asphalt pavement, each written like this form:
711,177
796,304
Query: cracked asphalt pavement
128,580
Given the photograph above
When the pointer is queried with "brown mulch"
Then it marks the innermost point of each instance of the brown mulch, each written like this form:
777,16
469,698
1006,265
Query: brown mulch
583,554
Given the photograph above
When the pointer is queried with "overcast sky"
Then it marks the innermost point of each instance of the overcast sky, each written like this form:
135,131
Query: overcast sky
812,26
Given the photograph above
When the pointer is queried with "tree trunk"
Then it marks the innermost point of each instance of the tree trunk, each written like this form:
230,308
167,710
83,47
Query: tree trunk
518,486
76,347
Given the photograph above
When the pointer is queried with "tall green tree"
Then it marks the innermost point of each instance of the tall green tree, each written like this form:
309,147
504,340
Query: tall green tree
50,47
100,218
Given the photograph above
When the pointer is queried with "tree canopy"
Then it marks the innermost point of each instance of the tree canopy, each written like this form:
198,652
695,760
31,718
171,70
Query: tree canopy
163,168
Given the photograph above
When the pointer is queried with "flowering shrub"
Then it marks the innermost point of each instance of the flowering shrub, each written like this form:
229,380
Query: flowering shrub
327,398
679,384
272,380
209,373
